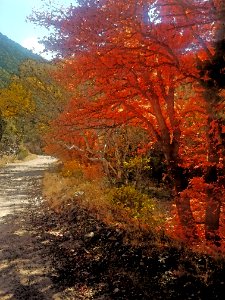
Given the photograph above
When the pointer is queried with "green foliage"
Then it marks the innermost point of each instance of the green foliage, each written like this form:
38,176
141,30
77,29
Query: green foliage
48,97
29,97
16,102
136,167
130,198
22,152
10,138
137,162
11,56
4,77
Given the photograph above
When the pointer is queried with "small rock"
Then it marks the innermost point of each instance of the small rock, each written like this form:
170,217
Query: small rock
112,238
90,235
116,290
78,193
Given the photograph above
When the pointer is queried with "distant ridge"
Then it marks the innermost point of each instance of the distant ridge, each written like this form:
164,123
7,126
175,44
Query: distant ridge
11,56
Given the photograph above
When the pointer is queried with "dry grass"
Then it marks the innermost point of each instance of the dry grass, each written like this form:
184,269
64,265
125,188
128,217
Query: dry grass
30,156
62,192
7,159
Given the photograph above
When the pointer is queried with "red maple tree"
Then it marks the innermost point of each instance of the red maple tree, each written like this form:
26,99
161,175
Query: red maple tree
137,62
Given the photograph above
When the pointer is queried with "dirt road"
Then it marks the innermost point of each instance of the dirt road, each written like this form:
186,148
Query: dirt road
24,268
20,182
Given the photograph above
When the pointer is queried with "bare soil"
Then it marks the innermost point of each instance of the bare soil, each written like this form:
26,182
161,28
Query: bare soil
24,266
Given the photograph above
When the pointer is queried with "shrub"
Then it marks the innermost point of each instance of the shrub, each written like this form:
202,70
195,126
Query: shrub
72,168
93,172
138,203
22,152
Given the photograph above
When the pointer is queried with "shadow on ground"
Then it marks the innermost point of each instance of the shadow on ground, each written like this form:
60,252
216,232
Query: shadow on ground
24,269
90,256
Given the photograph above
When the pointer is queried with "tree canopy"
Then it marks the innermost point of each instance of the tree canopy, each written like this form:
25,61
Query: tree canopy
139,63
11,56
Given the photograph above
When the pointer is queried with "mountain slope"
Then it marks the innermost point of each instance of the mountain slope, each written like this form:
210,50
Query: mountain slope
11,56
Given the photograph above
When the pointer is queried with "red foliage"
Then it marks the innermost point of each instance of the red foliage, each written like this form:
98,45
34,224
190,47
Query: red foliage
135,62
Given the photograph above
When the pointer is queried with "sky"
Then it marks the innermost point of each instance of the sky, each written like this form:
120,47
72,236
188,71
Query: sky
13,22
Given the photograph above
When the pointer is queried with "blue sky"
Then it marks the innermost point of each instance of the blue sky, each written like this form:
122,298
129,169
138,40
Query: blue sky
13,23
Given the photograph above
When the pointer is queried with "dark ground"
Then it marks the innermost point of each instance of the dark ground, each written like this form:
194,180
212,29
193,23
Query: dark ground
88,256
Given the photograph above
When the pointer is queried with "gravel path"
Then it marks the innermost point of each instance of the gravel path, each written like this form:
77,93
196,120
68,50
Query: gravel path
24,268
20,182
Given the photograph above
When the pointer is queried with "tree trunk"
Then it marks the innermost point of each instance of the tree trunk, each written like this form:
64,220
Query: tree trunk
216,138
180,179
186,217
213,201
183,204
213,207
212,217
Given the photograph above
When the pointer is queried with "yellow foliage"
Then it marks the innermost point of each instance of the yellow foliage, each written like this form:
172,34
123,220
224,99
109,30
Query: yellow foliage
139,205
71,168
137,162
15,100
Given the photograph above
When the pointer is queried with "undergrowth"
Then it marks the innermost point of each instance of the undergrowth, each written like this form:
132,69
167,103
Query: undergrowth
22,154
100,236
123,207
137,212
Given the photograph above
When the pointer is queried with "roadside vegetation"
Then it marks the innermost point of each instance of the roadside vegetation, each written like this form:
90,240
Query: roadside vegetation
103,245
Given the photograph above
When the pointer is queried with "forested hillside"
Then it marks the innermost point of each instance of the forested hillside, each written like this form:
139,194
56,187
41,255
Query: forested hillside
11,56
29,98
